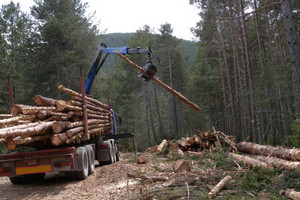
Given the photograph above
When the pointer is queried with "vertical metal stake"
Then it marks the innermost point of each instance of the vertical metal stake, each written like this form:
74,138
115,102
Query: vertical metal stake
85,117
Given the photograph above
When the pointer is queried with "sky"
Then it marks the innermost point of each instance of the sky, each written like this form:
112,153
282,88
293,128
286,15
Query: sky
125,16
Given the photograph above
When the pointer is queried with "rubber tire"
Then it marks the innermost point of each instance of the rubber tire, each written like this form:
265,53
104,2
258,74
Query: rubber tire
114,152
82,164
91,157
117,153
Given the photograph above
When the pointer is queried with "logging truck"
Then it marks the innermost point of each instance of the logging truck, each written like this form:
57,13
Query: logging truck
87,139
88,128
76,161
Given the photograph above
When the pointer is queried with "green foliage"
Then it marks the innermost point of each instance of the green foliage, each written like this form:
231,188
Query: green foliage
257,178
67,41
219,160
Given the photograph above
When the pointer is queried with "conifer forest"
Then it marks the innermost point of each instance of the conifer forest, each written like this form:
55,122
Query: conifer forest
242,68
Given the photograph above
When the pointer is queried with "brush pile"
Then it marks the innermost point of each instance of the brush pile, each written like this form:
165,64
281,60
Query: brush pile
54,122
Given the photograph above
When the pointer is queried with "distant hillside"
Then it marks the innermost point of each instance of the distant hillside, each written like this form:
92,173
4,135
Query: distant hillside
189,48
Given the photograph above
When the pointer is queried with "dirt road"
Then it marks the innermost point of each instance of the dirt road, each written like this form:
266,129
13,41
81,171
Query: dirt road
108,182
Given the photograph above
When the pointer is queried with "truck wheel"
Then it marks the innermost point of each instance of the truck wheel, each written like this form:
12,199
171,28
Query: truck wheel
117,152
82,164
114,152
91,156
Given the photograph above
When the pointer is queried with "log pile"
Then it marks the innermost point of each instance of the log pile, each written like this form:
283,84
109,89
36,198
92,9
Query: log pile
206,141
277,157
200,142
53,122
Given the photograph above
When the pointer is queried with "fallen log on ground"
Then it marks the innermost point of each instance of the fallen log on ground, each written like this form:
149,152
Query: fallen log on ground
292,194
219,186
278,162
251,162
280,152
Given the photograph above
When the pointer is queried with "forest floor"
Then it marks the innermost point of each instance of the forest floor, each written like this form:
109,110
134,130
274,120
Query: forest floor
112,181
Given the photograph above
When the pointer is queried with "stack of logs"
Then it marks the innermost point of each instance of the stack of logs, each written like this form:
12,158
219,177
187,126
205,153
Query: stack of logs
200,142
53,122
206,141
268,156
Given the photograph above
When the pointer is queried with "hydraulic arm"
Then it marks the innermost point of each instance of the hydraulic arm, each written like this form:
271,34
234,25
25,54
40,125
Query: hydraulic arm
149,70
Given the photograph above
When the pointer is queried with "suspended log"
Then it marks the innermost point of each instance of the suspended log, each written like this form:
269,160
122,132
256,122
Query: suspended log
251,162
18,109
61,126
15,119
163,85
40,100
278,162
12,144
219,186
89,99
280,152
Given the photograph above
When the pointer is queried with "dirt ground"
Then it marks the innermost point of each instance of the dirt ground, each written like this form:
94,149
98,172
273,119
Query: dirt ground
111,182
108,182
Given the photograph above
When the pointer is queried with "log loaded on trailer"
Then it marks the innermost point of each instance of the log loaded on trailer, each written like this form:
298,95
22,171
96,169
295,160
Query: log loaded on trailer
66,136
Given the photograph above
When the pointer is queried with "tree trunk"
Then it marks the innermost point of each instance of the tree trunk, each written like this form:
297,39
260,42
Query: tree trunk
294,46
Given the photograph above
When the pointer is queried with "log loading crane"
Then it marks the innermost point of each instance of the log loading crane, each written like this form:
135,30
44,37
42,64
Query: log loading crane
75,161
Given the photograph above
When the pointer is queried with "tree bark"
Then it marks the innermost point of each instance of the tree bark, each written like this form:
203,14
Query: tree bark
219,186
251,162
18,109
39,100
89,99
280,152
163,85
292,194
294,46
278,162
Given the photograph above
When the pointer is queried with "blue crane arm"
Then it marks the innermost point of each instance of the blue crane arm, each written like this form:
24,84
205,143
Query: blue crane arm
98,62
